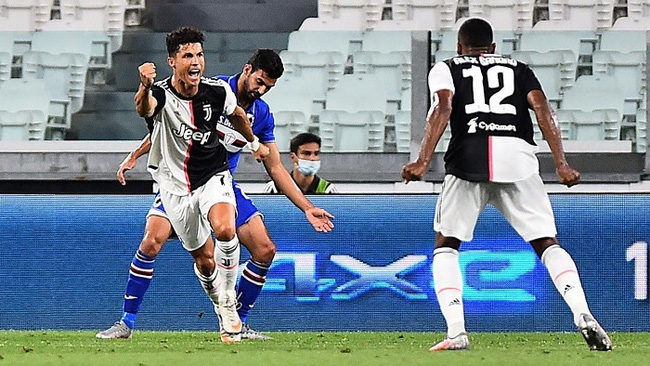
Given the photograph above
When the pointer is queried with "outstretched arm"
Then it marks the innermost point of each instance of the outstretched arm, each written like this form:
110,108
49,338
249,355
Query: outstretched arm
130,160
317,217
547,124
436,124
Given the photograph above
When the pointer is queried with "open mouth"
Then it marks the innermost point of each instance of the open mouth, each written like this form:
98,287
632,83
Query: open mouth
194,73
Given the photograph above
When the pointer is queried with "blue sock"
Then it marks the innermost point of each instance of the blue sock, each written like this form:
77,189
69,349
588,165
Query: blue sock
250,285
140,275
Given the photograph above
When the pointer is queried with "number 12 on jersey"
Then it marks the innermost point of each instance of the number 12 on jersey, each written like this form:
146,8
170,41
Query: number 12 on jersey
479,93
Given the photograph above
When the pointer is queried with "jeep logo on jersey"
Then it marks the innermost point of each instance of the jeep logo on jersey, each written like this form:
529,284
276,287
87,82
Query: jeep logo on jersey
207,108
474,124
187,133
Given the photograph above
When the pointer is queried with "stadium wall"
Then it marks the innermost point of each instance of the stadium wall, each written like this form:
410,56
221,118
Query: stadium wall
64,263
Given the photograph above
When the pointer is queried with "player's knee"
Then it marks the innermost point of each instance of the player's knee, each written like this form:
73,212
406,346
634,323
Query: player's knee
540,245
151,244
263,252
447,242
224,231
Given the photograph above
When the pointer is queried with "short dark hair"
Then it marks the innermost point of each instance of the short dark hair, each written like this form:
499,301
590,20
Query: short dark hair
301,139
181,36
475,32
268,61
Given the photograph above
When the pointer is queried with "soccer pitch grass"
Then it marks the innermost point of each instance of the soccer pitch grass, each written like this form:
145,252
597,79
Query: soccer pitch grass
305,348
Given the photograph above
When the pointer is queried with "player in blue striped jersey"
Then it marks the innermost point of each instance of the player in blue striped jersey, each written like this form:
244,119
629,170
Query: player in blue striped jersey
259,75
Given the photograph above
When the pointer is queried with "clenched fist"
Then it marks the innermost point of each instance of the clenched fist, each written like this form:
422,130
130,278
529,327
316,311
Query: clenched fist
147,74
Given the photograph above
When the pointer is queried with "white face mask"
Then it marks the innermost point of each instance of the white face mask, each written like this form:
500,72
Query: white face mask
308,167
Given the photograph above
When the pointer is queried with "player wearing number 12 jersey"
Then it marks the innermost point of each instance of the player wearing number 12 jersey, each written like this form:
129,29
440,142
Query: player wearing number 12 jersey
490,159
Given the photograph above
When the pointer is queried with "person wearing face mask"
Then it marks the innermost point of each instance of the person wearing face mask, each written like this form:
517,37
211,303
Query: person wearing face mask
305,156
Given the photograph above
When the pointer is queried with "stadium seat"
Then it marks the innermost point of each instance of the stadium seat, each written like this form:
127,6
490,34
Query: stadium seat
594,15
287,125
227,15
403,120
632,23
344,42
393,68
342,131
386,41
537,133
359,14
24,15
65,76
347,94
18,95
22,126
95,15
428,14
289,97
592,92
555,70
628,69
5,66
641,130
504,14
320,71
599,124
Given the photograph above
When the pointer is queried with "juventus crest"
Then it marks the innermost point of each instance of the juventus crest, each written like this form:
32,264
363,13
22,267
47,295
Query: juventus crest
207,108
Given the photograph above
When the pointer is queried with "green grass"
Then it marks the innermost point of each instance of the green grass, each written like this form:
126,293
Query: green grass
358,349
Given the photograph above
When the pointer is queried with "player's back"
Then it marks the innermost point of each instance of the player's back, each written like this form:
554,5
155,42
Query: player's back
490,122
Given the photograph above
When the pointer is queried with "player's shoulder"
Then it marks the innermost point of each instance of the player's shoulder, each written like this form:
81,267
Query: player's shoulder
163,84
262,106
212,82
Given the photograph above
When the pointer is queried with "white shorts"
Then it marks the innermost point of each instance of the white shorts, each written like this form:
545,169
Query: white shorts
524,204
189,214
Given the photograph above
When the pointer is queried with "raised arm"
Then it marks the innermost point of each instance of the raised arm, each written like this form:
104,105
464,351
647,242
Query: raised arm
130,160
547,124
436,124
317,217
145,103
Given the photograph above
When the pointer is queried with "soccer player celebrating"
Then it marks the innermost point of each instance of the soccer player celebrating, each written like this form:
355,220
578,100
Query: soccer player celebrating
259,75
490,159
190,165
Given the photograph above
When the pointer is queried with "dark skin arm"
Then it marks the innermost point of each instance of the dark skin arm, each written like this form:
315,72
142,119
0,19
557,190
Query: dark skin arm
130,160
546,121
434,129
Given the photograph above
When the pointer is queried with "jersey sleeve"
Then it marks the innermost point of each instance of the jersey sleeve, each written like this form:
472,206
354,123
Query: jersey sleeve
440,78
530,81
159,94
267,121
231,101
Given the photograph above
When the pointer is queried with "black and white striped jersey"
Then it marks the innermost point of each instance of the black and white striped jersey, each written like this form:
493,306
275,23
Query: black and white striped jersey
185,148
491,129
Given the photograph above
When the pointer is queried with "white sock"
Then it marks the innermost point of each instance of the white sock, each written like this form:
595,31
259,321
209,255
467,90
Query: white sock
226,254
565,276
209,284
448,283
